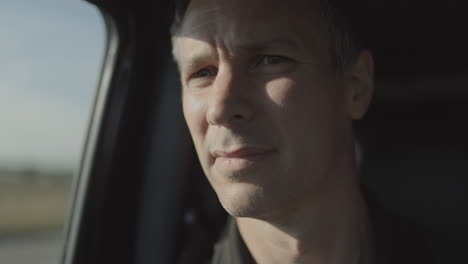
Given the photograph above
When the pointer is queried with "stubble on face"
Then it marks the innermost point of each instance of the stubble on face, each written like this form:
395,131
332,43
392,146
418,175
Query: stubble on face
296,112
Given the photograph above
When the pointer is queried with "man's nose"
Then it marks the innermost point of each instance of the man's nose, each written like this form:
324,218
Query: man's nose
229,100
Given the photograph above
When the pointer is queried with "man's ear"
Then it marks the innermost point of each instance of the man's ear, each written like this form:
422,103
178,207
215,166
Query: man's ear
360,85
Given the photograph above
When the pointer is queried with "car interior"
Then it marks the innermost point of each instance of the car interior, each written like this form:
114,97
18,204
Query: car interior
141,196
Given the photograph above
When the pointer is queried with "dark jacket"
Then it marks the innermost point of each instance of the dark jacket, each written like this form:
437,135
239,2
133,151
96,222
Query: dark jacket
394,241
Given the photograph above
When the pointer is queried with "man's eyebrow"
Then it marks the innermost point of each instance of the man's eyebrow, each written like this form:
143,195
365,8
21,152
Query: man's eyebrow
195,60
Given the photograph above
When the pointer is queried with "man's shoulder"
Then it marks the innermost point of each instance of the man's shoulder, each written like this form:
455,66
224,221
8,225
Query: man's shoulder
230,249
394,240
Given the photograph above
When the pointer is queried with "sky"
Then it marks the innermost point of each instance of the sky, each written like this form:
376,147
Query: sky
51,53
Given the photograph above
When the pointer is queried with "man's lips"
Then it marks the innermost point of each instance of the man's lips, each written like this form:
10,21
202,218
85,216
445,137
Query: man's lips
240,158
243,152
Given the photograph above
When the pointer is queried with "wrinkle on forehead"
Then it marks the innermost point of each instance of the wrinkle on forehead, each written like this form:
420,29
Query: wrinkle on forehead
233,21
200,21
229,26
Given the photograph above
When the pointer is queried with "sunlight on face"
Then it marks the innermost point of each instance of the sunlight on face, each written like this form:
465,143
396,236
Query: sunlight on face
261,101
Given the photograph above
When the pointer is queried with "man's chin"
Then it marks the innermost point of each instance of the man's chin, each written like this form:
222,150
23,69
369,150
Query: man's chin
243,201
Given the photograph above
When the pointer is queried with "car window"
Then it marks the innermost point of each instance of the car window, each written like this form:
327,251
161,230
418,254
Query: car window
143,197
50,59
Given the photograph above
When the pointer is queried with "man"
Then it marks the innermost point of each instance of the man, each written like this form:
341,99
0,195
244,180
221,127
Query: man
270,92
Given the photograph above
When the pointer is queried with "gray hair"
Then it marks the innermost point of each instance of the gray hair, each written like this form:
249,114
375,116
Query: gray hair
336,20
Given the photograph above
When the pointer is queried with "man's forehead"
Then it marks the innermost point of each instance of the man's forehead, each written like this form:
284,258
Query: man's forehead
249,24
208,17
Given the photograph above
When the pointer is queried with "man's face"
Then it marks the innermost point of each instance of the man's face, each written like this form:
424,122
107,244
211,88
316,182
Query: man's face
262,102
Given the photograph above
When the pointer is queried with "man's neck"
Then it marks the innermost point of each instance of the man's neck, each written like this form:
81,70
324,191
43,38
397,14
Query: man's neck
329,230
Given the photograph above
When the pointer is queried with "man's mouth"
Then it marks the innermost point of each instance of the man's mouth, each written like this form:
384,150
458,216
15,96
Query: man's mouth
241,158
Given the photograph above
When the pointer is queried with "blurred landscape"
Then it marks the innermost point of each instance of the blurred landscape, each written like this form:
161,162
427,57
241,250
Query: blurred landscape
51,57
33,201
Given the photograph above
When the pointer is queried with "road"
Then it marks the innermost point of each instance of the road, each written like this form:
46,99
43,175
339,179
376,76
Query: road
32,249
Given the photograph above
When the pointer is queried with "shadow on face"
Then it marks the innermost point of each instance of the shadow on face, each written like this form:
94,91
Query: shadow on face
258,77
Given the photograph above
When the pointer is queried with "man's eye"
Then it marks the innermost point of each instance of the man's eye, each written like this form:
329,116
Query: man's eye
272,59
273,64
204,73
